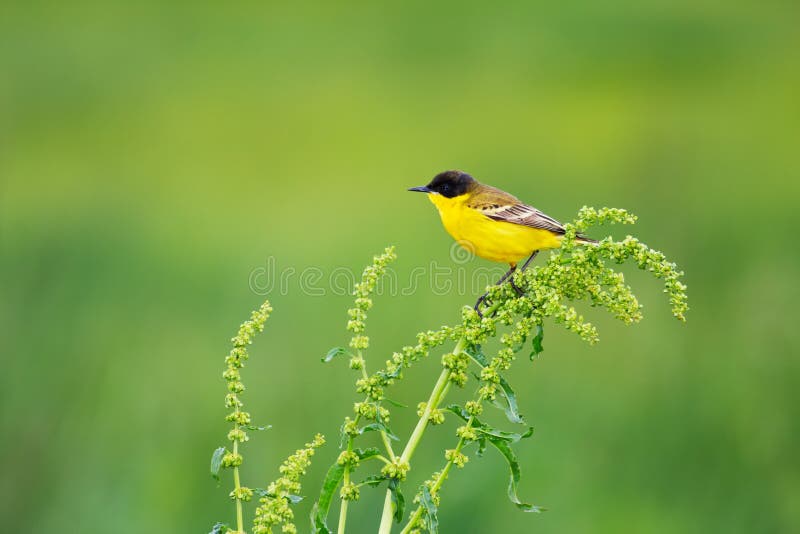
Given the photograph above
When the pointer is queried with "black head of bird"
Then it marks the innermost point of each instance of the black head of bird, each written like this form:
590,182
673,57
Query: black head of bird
449,184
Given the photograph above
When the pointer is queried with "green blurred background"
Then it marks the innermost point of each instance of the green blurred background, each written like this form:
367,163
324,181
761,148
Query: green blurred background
154,157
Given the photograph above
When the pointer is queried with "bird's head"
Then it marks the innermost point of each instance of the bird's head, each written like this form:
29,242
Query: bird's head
449,184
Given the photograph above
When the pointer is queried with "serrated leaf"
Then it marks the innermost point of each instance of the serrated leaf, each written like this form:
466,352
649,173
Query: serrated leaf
513,465
319,515
334,352
397,499
431,517
219,528
538,348
216,462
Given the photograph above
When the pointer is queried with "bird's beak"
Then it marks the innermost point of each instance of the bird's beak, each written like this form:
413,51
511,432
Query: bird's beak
421,189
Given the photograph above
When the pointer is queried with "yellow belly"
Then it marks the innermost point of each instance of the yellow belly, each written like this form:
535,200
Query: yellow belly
492,240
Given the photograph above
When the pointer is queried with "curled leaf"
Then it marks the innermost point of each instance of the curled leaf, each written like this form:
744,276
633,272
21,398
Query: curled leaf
513,465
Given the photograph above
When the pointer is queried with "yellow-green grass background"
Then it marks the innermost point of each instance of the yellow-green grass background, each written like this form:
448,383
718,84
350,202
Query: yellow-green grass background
152,156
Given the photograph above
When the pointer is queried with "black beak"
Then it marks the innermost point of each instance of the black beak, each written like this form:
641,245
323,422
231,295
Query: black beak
421,189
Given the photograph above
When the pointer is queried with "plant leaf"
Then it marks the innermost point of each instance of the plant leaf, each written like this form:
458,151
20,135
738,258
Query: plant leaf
319,515
511,437
512,411
216,463
386,428
253,427
397,499
378,427
219,528
294,499
458,410
363,454
481,446
537,342
373,481
476,353
487,430
395,403
513,465
431,518
334,352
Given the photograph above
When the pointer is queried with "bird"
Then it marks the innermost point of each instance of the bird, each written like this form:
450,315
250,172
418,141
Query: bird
491,223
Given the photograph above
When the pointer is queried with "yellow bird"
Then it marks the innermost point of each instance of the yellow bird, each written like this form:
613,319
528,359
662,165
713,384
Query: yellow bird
491,223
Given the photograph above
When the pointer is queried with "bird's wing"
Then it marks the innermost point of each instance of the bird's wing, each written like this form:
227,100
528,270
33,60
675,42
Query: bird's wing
501,206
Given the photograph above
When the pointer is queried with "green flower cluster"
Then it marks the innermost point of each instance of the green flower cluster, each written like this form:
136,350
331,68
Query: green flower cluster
274,509
407,356
234,362
363,293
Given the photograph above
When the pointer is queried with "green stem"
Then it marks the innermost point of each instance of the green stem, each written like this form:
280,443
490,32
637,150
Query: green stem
388,445
237,486
386,517
438,393
345,504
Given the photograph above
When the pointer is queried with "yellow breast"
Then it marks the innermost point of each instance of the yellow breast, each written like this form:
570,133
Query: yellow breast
492,240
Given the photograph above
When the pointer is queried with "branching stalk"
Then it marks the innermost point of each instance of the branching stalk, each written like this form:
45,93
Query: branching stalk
437,395
346,478
437,484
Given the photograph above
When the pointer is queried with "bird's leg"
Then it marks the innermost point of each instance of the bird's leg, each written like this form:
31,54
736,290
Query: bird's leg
530,259
519,291
482,298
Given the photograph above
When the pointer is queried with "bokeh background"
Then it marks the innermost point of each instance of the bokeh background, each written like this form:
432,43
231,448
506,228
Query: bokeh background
153,157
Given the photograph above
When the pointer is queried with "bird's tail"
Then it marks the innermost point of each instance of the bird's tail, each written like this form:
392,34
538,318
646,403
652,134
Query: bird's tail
585,240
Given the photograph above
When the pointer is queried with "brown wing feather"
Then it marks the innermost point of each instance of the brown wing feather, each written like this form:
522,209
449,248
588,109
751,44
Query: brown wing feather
501,206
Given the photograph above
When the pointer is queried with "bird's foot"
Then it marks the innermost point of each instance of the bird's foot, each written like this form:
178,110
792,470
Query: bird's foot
480,301
516,288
